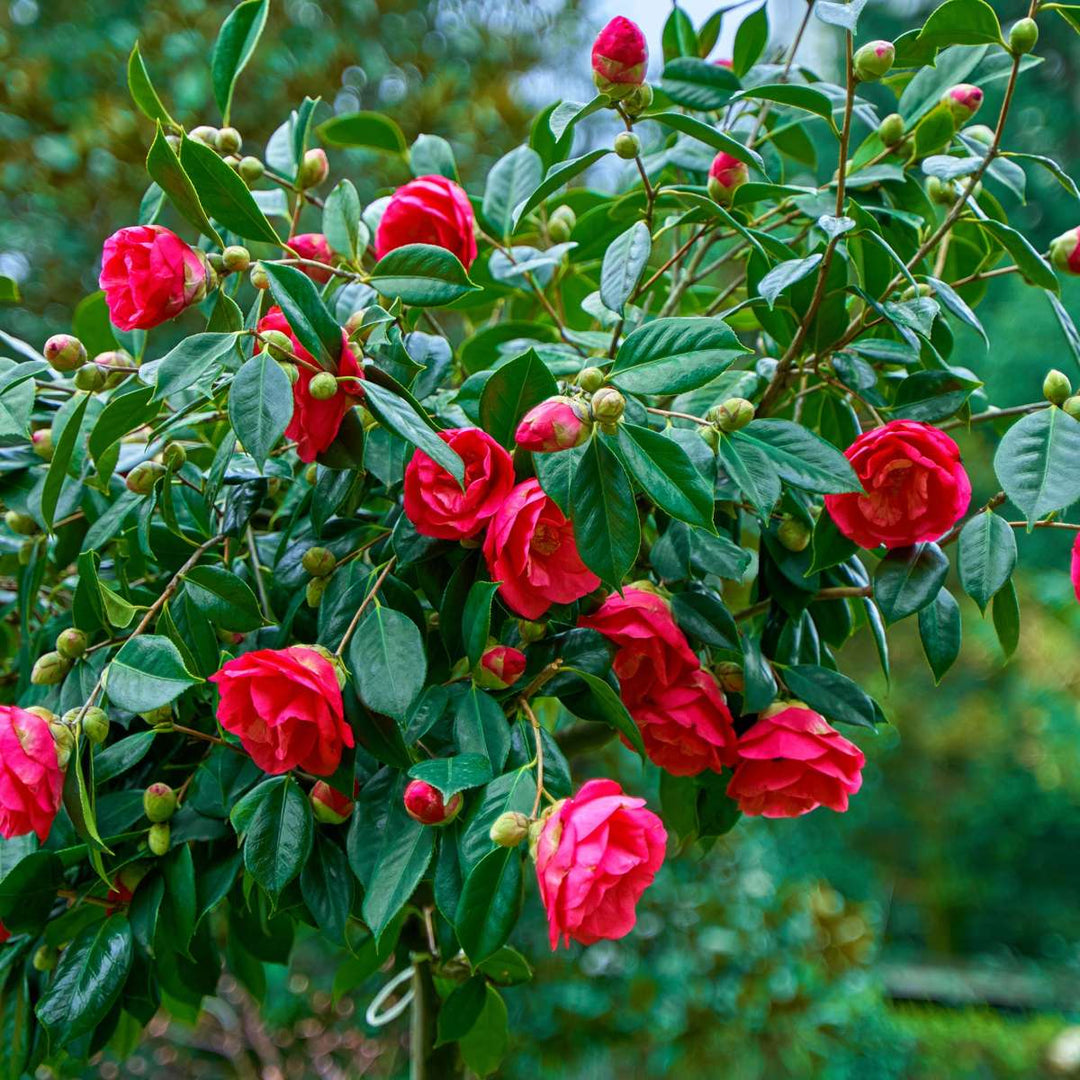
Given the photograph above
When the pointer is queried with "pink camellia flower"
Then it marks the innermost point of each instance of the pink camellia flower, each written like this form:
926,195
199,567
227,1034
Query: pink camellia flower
429,210
500,666
285,705
530,549
793,761
597,852
873,60
330,805
963,101
726,175
1076,566
31,780
315,422
560,423
652,651
425,804
150,275
723,62
313,246
434,502
915,487
1065,251
620,56
686,726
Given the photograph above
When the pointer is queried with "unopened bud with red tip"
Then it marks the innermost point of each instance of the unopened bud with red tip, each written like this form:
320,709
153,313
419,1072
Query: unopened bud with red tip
963,101
23,524
323,386
159,802
42,443
50,669
64,738
1023,36
731,415
71,643
1056,387
116,365
509,829
730,677
318,561
159,838
726,175
1065,251
608,405
425,804
65,352
500,666
873,60
560,423
620,56
144,476
891,129
314,169
793,534
329,805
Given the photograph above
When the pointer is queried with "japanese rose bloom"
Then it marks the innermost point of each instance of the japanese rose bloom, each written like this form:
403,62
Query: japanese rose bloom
314,424
793,761
687,727
1076,566
285,706
559,423
726,175
530,548
429,210
437,506
915,487
652,650
149,276
597,852
620,55
30,777
316,247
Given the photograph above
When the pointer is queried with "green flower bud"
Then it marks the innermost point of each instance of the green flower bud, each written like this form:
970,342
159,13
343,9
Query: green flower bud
314,590
730,677
26,552
64,352
710,436
311,473
71,643
159,802
116,365
639,100
144,476
590,379
731,415
42,444
323,386
531,631
1023,35
981,133
794,534
158,838
873,60
46,957
627,145
509,829
46,714
608,405
561,224
64,738
217,263
174,456
259,277
278,343
1072,406
236,259
891,129
1056,387
318,561
204,134
161,715
95,725
23,524
292,373
251,169
314,169
90,379
174,143
50,669
228,140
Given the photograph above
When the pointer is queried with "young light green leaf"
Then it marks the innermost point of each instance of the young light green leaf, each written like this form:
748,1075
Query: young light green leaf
368,129
235,44
142,90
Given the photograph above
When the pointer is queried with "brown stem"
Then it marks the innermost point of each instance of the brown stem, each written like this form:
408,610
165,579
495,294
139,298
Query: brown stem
363,605
836,592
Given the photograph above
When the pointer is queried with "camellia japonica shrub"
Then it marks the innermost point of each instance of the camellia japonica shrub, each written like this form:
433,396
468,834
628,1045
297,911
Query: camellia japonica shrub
327,552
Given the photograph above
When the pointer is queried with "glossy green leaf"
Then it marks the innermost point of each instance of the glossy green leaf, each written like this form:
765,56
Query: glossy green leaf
485,1045
404,854
235,43
624,261
387,659
800,457
226,599
961,22
940,628
605,516
606,705
490,904
710,136
192,359
146,673
1006,611
476,619
345,232
453,774
698,84
1036,462
987,556
142,90
58,467
421,275
511,391
367,129
556,177
481,728
511,179
260,405
908,579
750,40
831,693
399,416
308,317
326,885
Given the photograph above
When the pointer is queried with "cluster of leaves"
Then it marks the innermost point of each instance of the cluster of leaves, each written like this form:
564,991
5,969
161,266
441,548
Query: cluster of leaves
794,298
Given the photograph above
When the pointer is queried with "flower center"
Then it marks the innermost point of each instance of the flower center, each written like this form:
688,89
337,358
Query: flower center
546,540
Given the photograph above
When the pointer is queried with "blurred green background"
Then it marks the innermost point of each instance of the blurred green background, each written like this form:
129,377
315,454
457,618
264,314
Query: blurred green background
934,930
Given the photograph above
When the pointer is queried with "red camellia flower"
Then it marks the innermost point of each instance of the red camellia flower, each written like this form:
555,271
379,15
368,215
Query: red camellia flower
560,423
149,276
726,175
314,424
313,246
285,706
620,55
1065,251
5,933
434,502
652,650
1076,566
530,548
425,804
501,666
119,896
915,487
793,761
687,727
429,210
31,780
596,854
329,805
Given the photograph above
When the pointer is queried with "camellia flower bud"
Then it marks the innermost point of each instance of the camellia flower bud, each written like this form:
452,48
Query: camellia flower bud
50,669
963,101
509,829
559,423
590,379
323,386
159,802
313,591
627,145
159,838
236,259
1065,251
500,666
639,100
620,56
891,129
259,277
731,415
425,804
46,957
161,715
1072,406
1056,387
23,524
144,476
95,725
314,169
793,534
64,352
204,134
726,175
318,561
64,738
228,140
71,643
173,456
90,379
250,169
608,405
981,133
328,804
531,631
710,436
730,677
116,365
46,714
1023,36
292,373
561,223
278,344
873,60
42,443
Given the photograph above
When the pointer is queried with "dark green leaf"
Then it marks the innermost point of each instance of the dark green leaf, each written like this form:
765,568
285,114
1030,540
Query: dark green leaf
1036,462
142,90
58,467
961,22
987,556
605,516
404,854
326,886
367,129
940,629
750,40
509,183
623,263
490,904
226,599
279,834
454,774
1007,618
557,176
481,728
667,475
800,457
165,169
511,391
476,619
387,659
260,405
308,317
236,42
147,673
832,694
710,136
402,418
421,275
908,579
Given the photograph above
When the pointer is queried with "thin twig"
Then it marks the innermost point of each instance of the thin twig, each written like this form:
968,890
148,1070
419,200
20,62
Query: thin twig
363,605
